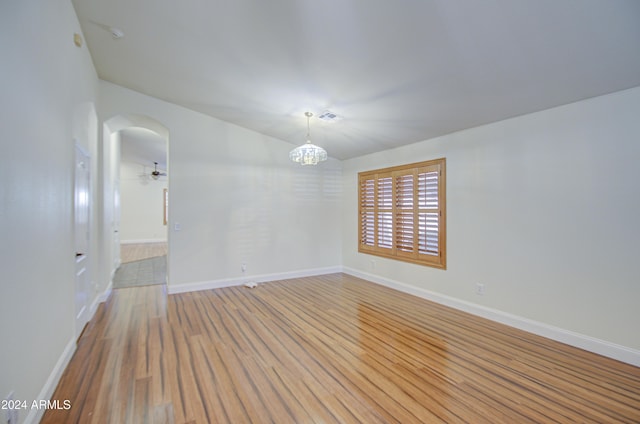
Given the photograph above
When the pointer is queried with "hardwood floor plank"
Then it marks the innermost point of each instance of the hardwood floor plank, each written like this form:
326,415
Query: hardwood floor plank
327,349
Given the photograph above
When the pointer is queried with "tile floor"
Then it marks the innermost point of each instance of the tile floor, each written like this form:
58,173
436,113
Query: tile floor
144,272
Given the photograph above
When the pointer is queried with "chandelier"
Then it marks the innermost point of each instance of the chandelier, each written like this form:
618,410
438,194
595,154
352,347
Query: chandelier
308,154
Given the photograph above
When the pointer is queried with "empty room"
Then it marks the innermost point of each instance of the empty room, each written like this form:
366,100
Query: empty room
354,211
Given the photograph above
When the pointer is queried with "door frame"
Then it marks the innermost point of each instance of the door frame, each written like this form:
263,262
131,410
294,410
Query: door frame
82,240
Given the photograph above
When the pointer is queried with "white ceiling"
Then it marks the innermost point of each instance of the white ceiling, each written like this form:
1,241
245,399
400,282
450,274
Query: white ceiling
397,72
144,147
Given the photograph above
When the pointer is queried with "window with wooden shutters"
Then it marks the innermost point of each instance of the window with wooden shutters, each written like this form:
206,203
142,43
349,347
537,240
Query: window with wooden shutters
402,213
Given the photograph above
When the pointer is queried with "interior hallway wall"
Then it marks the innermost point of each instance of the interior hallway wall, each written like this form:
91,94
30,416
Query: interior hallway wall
49,88
236,198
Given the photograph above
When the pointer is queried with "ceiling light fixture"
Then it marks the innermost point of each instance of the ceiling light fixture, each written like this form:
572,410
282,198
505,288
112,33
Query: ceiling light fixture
308,154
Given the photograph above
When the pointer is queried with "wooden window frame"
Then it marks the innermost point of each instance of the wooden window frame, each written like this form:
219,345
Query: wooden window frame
402,213
165,206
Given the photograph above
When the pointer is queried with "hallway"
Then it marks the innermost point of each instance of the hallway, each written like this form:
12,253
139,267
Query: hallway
130,252
144,272
143,264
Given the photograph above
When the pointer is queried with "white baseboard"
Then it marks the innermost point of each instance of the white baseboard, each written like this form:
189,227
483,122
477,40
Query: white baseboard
141,241
36,414
591,344
101,298
216,284
601,347
116,265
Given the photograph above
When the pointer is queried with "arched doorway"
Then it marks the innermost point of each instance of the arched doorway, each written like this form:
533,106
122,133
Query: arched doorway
135,199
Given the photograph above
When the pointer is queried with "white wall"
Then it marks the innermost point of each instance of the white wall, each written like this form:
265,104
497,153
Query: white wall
111,200
48,91
238,198
141,200
543,209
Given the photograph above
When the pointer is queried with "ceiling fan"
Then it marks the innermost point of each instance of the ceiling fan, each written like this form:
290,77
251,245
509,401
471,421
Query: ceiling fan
155,174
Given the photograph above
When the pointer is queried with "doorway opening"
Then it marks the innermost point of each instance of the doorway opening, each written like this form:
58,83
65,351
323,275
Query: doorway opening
139,182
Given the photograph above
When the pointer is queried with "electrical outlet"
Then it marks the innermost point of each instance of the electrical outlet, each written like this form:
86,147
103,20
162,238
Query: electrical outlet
244,267
480,289
373,264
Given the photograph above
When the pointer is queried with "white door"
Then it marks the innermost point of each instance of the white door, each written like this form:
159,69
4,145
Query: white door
81,217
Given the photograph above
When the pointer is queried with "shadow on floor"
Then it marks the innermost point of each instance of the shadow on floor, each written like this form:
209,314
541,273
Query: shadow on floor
141,273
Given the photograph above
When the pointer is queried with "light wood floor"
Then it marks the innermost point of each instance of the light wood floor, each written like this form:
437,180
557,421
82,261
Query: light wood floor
131,252
327,349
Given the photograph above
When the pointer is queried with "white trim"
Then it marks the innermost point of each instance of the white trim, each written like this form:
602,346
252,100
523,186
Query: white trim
216,284
101,298
142,241
80,147
601,347
117,263
36,414
591,344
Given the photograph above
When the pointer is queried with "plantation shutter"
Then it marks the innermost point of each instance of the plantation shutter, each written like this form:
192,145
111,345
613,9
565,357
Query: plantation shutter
384,199
405,233
429,214
367,213
401,213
